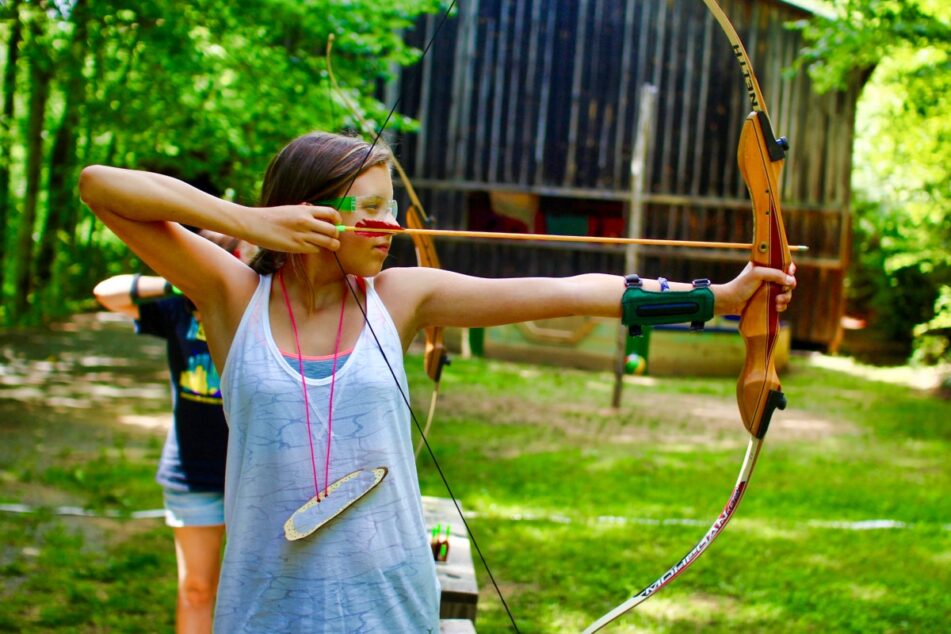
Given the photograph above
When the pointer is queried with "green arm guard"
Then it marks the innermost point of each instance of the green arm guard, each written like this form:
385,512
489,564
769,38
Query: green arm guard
650,308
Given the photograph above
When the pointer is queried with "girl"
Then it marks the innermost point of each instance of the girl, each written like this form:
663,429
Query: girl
295,427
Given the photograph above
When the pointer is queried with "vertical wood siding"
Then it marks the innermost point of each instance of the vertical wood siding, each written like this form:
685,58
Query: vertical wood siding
541,96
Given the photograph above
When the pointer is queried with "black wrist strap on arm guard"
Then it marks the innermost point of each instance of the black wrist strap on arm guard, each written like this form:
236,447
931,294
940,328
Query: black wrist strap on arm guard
640,307
167,291
134,289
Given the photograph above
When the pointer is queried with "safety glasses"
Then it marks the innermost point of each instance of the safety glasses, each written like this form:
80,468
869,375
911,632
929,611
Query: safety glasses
370,205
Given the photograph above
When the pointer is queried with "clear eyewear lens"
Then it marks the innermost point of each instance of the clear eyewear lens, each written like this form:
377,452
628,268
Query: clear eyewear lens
374,206
370,205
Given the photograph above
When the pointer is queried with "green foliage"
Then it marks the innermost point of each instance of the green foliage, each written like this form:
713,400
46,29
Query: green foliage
859,34
902,154
884,287
934,337
204,91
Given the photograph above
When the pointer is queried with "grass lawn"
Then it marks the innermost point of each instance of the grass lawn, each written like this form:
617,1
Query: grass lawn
846,525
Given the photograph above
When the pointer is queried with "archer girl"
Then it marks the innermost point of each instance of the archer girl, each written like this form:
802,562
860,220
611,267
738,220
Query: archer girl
305,340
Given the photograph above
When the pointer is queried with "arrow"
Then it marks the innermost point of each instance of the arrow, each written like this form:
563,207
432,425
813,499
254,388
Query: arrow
492,235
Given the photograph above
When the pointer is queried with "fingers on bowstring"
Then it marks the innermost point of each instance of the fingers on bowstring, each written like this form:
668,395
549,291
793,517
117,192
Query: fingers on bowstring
322,230
327,214
315,233
324,213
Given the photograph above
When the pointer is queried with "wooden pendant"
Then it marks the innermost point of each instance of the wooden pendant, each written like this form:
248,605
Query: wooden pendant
328,504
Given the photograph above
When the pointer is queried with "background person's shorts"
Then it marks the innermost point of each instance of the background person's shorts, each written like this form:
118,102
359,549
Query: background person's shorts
194,508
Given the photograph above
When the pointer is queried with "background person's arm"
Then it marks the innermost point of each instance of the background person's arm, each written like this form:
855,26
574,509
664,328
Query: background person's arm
124,293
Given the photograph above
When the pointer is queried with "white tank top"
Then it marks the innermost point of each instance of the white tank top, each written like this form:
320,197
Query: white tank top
370,569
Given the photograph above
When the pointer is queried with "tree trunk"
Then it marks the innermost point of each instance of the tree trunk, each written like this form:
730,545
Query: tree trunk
62,199
6,134
87,253
40,77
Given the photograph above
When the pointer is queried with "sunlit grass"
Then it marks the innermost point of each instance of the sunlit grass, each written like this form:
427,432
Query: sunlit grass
846,526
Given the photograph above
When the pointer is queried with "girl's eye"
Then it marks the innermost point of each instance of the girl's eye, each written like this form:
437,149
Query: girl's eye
377,206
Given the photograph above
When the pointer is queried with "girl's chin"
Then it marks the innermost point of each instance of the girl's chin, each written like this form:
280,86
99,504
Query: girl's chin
366,269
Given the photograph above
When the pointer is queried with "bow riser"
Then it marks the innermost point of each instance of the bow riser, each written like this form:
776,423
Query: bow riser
758,390
436,356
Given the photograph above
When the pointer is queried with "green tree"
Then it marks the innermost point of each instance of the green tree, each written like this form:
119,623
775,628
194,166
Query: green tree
205,91
14,35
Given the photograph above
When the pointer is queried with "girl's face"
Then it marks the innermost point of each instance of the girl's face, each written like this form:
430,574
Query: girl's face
364,254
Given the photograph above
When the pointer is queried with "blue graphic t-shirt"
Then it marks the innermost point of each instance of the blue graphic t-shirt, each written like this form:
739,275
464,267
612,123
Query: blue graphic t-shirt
193,458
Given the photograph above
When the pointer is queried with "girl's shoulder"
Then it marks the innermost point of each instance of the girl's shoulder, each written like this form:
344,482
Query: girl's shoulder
406,281
391,283
402,290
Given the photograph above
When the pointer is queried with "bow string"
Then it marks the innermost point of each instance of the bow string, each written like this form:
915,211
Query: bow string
435,355
425,253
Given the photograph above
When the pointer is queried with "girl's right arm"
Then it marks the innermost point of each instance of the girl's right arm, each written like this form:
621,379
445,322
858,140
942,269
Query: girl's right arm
146,210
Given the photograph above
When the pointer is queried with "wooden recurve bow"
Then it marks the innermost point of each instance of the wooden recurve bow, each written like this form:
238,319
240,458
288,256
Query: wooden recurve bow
760,156
426,254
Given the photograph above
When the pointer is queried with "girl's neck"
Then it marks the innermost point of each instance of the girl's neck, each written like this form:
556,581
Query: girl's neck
314,286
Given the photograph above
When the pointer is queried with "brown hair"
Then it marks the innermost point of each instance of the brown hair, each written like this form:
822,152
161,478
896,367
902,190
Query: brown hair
316,166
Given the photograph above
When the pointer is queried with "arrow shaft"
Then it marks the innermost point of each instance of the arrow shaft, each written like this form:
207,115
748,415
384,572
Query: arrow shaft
557,238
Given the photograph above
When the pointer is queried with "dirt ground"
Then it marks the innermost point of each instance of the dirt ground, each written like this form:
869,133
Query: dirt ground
73,389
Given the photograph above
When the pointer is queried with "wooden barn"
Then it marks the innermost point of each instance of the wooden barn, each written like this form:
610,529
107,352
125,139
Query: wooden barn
529,121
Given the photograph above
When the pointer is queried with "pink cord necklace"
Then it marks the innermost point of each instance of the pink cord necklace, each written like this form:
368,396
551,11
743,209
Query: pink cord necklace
321,509
333,379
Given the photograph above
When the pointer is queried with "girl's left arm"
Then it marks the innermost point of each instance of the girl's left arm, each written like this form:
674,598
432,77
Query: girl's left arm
434,297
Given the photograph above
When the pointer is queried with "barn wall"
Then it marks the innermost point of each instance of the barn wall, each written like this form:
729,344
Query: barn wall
541,96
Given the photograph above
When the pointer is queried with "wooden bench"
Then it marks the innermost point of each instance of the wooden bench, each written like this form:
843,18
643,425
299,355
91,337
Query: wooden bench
460,592
456,626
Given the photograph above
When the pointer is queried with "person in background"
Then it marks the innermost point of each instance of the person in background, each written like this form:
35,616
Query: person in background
191,470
